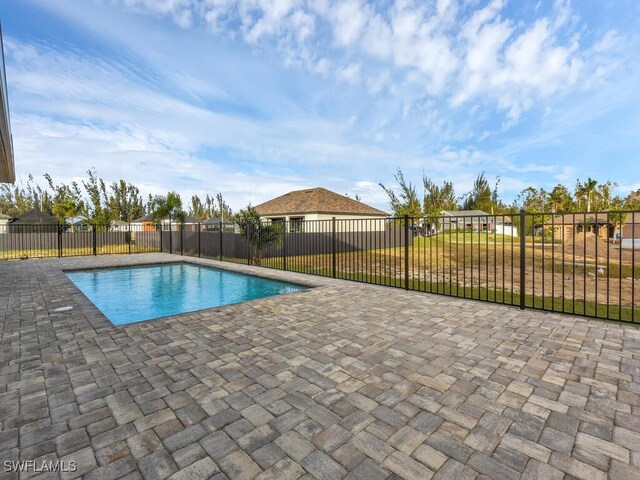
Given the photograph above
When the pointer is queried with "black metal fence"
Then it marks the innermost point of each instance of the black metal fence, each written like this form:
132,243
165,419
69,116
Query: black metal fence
580,263
58,240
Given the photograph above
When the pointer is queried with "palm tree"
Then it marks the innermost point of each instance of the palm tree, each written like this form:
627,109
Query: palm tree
586,191
559,199
260,235
167,207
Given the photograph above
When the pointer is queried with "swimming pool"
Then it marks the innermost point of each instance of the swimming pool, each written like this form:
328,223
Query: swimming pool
132,294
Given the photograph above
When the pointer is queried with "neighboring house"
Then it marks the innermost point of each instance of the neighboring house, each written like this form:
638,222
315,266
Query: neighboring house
305,210
4,220
143,224
567,226
189,224
477,220
631,231
211,225
466,220
33,221
79,224
148,224
504,226
118,226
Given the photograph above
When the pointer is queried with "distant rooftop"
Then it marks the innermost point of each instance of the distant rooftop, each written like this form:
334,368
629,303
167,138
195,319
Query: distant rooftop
316,200
35,217
463,213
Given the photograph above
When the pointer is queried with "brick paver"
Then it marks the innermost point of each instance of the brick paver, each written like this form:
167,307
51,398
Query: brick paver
343,380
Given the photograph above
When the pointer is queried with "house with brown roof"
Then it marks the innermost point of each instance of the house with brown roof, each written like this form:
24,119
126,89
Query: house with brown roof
145,223
312,210
606,225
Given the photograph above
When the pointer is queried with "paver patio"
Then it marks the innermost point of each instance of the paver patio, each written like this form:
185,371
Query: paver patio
344,380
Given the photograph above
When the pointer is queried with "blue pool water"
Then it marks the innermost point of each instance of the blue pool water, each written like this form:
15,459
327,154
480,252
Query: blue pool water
132,294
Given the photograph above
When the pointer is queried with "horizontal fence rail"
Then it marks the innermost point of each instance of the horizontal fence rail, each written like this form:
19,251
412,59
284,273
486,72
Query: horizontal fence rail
579,263
57,240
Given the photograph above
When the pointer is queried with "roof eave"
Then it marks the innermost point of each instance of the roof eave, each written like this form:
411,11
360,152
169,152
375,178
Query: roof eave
7,168
280,214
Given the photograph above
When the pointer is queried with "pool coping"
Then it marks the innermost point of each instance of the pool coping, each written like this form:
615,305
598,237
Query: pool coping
99,321
414,364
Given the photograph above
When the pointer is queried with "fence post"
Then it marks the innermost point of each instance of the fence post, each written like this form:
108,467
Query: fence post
249,232
523,225
160,230
170,237
406,252
220,238
181,238
129,238
333,245
95,235
199,252
59,241
284,245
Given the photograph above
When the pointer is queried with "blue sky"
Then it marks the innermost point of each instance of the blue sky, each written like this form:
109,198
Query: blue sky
254,98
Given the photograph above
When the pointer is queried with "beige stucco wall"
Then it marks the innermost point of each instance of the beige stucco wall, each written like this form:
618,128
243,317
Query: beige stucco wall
317,222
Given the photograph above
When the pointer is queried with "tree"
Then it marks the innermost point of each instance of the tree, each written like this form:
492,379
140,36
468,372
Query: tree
632,202
436,199
259,235
407,203
67,200
586,191
212,207
223,211
96,190
533,200
167,207
559,200
482,197
604,197
616,216
197,209
125,202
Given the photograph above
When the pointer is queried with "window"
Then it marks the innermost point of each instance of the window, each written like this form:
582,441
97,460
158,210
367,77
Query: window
297,224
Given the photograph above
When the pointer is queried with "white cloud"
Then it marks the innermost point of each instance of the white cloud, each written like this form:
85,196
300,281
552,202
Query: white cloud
378,83
453,51
349,19
349,74
514,68
395,68
272,16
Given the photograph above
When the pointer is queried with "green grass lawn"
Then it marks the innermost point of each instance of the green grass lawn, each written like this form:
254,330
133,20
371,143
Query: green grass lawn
481,238
323,268
578,307
24,254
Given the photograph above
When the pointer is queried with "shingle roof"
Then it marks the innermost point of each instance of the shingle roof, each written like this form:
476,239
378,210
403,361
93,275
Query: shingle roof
145,218
149,218
316,200
464,213
35,217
